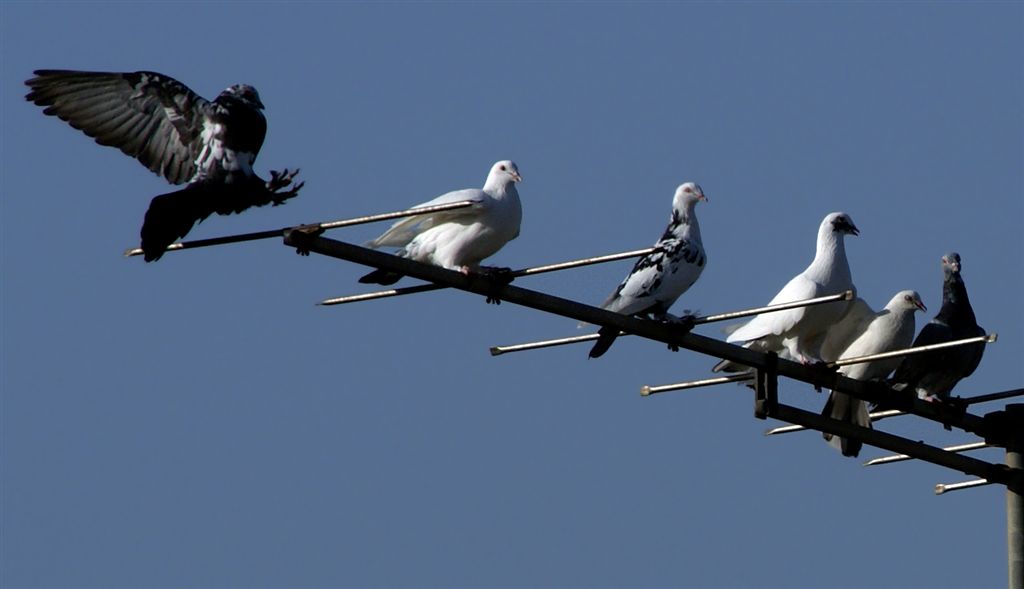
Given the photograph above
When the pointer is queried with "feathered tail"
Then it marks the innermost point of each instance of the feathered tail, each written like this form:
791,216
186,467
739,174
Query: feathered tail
846,408
605,341
171,216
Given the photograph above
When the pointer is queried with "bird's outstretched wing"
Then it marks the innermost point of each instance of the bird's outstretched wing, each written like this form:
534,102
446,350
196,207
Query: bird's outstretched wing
148,116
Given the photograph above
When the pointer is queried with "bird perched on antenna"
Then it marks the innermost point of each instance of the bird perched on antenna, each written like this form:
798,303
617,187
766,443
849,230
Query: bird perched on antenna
800,332
210,146
462,238
934,374
863,332
659,278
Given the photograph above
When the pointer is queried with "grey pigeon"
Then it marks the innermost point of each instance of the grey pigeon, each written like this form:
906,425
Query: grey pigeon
934,374
458,239
800,332
890,329
210,146
662,276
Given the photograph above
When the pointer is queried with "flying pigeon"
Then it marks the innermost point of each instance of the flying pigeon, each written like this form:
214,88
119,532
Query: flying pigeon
800,332
934,374
209,146
458,239
890,329
662,276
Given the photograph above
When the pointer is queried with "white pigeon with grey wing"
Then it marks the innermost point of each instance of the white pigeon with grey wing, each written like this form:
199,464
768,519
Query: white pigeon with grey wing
800,332
890,329
458,239
209,145
659,278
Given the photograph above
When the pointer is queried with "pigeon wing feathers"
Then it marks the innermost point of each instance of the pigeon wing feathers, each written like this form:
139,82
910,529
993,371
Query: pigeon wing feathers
632,293
403,231
839,337
779,322
148,116
913,368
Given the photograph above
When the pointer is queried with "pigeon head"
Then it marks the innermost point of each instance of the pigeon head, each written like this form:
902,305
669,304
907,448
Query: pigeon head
504,172
243,93
840,223
688,194
951,263
908,299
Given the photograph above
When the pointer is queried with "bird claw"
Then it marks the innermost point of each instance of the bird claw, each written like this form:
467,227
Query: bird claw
502,276
281,197
281,180
685,322
498,274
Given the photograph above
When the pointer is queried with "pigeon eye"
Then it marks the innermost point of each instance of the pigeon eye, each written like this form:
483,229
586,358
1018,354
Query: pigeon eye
502,168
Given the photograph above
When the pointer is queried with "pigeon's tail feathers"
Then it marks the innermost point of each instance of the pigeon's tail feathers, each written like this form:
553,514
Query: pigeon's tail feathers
827,412
605,340
728,366
846,408
171,216
382,277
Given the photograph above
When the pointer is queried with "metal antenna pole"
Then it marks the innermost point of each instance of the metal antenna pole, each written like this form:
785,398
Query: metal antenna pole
396,292
843,296
184,245
1015,498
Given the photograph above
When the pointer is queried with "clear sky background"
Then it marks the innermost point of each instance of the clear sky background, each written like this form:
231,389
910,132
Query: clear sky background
199,422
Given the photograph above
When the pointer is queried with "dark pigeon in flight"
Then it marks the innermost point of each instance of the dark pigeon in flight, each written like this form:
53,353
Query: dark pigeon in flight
209,146
934,374
662,276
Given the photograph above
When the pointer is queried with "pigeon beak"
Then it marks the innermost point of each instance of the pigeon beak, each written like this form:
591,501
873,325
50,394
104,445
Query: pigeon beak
516,176
920,305
853,229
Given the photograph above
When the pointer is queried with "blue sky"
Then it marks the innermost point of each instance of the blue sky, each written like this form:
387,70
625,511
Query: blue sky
199,422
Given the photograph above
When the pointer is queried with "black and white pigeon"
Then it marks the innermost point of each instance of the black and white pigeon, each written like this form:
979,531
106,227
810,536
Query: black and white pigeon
932,375
662,276
210,146
458,239
890,329
800,332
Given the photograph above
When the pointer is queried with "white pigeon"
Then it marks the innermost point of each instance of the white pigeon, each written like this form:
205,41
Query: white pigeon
800,332
662,276
458,239
890,329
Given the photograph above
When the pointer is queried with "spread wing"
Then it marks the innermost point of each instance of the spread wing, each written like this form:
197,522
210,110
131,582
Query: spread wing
148,116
